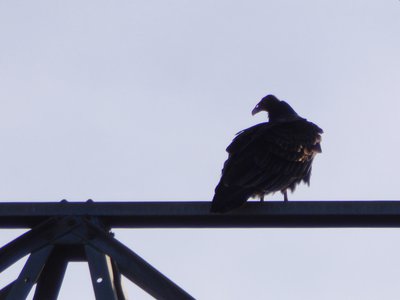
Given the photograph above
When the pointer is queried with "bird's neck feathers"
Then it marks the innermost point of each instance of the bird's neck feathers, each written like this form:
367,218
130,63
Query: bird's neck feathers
283,113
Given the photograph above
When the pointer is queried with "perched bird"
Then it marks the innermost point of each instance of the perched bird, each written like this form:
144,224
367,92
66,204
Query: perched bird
269,157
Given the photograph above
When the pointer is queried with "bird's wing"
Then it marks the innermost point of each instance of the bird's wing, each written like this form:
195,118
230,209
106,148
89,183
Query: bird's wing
244,137
271,152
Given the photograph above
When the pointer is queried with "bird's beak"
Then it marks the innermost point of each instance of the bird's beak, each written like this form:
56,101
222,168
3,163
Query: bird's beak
256,110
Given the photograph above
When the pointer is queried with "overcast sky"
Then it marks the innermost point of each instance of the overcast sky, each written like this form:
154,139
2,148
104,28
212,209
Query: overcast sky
137,100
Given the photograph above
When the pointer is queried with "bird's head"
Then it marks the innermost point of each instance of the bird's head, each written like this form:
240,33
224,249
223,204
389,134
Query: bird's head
267,104
277,109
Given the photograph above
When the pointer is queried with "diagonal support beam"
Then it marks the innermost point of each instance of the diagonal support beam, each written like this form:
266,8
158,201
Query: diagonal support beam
29,274
100,249
50,280
117,281
134,267
5,290
102,275
34,239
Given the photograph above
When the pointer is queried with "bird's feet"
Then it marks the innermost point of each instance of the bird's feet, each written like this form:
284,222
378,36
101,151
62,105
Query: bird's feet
285,197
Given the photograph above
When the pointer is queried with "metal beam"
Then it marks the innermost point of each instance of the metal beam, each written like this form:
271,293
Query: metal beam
197,215
107,258
33,240
132,266
51,278
29,274
5,290
102,275
117,281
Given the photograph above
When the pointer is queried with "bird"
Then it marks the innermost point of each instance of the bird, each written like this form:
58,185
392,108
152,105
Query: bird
269,157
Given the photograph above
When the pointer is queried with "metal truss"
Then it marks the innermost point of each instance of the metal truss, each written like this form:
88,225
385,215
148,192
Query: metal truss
75,231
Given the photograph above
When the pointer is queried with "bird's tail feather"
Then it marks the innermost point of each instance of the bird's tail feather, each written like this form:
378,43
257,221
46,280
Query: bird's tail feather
228,198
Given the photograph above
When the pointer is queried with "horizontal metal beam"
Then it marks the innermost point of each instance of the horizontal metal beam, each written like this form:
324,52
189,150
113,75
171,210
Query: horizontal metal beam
196,214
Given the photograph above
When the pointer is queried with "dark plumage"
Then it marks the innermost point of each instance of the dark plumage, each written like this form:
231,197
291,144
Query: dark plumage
268,157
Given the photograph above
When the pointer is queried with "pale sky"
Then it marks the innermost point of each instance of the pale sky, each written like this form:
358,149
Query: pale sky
137,100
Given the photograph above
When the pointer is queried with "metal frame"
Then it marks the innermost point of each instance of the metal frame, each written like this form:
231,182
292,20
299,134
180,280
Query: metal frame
80,231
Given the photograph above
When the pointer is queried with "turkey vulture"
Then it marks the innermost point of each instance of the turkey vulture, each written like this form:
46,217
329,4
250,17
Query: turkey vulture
268,157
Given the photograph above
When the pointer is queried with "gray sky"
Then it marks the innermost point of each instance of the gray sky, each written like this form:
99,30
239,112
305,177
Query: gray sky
128,100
